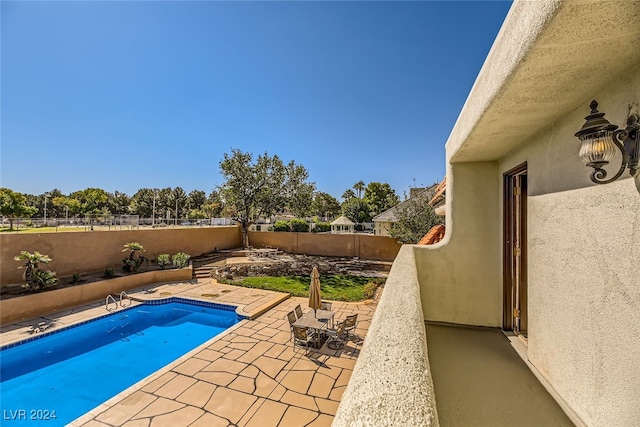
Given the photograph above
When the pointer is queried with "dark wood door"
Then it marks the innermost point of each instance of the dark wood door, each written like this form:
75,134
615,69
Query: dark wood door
515,252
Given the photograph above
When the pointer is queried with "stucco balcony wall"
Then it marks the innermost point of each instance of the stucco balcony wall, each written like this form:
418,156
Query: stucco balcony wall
460,277
391,384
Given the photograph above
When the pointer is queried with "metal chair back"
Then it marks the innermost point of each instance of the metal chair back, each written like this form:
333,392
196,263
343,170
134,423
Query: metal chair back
291,316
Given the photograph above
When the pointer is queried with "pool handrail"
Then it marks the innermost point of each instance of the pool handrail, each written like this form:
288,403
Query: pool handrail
123,295
106,303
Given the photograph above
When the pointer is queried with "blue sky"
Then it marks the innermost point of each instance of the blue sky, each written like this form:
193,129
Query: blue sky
125,95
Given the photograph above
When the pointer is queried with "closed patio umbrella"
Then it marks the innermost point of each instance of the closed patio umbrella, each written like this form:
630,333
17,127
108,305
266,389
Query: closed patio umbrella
314,290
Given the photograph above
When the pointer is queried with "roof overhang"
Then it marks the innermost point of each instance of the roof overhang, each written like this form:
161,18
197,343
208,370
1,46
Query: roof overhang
549,57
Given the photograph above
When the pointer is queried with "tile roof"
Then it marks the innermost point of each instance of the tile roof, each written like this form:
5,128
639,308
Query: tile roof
433,236
439,197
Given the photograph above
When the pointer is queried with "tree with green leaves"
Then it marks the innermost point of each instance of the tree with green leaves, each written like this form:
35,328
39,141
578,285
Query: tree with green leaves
299,190
142,202
118,203
380,197
92,200
256,189
415,217
195,200
348,195
14,205
67,205
178,201
359,187
213,205
325,206
357,210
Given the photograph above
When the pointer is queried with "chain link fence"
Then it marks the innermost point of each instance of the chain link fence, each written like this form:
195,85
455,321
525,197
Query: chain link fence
105,222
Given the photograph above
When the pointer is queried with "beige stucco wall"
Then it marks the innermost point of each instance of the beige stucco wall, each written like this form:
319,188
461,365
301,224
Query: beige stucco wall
460,277
39,304
584,268
94,251
364,246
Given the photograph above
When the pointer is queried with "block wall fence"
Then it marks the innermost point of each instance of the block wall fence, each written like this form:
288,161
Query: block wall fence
92,251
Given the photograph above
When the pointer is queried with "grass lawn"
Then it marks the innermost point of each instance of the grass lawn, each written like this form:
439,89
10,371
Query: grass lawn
338,287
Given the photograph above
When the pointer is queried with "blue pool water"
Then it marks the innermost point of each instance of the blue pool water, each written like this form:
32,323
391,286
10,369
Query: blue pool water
59,377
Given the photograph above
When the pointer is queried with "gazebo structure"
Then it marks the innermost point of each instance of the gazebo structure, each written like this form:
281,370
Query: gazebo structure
342,225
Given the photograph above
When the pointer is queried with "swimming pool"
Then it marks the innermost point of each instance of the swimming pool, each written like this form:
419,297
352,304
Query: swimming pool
57,377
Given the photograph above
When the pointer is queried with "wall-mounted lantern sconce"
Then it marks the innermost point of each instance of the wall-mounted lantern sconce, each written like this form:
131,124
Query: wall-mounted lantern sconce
599,141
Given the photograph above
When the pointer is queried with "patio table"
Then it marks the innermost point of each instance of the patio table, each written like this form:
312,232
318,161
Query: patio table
317,320
266,252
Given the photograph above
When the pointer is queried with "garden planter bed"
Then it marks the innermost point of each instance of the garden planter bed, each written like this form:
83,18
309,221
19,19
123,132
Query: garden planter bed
28,306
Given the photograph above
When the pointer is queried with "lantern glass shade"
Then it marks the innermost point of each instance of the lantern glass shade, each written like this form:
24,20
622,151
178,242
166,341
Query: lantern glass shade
597,148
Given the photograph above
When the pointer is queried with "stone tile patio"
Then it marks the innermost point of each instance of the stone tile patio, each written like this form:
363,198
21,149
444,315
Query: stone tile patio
249,376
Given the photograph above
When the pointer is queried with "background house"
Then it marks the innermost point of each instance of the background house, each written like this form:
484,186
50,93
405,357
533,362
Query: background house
384,222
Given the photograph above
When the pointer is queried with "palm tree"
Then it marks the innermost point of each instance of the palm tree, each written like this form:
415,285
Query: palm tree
359,187
33,276
348,195
134,260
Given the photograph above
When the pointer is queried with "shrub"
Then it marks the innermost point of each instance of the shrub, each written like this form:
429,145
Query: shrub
281,226
180,260
370,290
35,278
299,225
163,260
135,259
321,227
109,273
75,278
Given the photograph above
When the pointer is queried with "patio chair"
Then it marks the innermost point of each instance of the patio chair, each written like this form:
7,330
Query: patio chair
325,305
337,336
298,311
350,324
303,337
291,317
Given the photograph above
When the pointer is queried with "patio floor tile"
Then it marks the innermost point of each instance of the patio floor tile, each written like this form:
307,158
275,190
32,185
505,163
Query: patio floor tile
210,420
229,404
126,409
321,385
249,376
175,387
160,406
269,414
298,417
300,400
217,378
181,417
191,366
244,384
198,394
269,366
